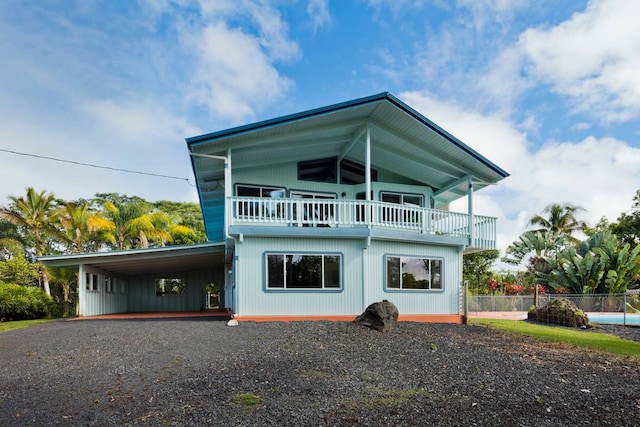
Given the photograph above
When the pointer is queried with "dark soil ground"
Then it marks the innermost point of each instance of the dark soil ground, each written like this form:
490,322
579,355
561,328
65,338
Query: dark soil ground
202,372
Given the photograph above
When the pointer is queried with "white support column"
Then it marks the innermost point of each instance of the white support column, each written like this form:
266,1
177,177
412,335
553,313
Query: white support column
470,209
367,178
227,193
367,172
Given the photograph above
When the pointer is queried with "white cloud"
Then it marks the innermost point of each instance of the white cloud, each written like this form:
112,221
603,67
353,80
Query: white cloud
318,11
236,48
601,175
233,74
594,58
142,124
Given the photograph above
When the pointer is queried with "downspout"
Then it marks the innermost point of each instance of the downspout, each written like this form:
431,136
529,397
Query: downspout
465,289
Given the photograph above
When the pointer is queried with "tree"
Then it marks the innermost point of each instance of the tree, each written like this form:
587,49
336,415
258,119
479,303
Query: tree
627,228
126,223
18,270
10,240
68,281
81,225
35,214
560,219
185,214
476,268
580,274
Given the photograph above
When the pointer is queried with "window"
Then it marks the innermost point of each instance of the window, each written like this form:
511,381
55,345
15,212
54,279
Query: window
325,170
123,287
402,216
254,209
322,170
169,286
288,271
91,282
256,191
413,273
354,173
402,199
109,285
314,213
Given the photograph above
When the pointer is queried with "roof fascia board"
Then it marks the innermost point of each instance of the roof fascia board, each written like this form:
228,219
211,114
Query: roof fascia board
177,250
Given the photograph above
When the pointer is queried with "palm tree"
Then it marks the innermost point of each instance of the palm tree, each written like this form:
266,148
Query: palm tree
129,223
560,219
80,224
36,214
68,280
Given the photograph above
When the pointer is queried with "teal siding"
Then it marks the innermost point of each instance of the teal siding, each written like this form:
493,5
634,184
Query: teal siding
363,279
445,301
254,299
100,302
141,292
213,213
137,294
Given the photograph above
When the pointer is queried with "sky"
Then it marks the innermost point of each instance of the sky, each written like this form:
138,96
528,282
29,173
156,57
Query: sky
549,90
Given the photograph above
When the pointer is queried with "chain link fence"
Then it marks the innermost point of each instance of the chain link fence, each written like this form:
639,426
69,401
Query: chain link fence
601,308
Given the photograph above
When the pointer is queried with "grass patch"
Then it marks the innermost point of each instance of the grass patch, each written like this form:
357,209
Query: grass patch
8,326
248,400
312,375
391,399
587,339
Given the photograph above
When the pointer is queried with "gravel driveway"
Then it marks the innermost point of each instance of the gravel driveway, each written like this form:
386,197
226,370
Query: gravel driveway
202,372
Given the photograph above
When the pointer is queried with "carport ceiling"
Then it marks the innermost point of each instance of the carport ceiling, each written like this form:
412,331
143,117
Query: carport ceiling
144,261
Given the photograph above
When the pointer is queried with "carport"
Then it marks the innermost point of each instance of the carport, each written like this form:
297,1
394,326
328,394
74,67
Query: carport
133,281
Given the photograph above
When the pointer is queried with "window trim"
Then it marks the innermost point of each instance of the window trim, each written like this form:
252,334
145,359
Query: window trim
401,289
265,266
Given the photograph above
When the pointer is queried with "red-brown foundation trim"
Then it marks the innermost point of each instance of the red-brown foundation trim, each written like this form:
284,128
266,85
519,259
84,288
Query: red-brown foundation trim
424,318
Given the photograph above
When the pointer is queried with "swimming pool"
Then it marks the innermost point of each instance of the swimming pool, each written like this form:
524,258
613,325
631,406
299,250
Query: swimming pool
615,318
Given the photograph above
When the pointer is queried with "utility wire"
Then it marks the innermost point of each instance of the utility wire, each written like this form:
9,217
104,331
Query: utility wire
96,166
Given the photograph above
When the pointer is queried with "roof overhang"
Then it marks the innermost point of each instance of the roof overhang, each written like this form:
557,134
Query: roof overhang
137,262
404,143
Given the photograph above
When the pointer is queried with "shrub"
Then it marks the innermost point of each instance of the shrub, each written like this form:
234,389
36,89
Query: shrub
23,302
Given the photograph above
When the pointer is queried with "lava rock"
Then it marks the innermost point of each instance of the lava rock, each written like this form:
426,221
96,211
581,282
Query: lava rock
382,316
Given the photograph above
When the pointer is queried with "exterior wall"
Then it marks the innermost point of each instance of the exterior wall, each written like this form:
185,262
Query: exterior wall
142,292
99,301
287,176
137,294
362,283
444,301
252,297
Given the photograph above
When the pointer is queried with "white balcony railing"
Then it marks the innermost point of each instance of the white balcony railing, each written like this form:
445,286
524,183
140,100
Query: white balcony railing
360,213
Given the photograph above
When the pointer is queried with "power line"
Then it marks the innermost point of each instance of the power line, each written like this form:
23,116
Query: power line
96,166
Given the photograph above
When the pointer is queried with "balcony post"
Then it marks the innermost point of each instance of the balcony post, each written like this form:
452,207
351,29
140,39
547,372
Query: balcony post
367,177
471,220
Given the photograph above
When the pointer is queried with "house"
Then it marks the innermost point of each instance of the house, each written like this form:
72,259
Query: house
314,215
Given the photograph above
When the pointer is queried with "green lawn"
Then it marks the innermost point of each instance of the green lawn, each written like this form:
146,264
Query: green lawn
579,337
7,326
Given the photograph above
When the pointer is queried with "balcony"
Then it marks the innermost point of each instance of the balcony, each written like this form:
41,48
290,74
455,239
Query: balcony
333,213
